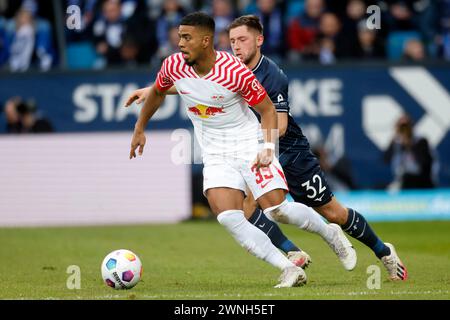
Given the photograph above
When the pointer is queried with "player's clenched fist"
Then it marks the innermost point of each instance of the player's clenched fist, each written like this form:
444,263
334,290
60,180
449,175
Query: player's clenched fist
138,141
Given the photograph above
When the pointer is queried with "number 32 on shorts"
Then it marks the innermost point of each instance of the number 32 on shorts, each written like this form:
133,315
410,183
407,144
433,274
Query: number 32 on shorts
314,186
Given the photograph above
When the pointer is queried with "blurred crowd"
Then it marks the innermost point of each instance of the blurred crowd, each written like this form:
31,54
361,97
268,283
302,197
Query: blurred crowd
34,33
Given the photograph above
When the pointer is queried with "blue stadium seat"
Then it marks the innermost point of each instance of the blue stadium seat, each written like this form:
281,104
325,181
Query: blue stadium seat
396,42
81,55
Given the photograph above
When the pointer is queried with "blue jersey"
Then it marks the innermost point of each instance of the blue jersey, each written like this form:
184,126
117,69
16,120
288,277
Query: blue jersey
307,183
276,83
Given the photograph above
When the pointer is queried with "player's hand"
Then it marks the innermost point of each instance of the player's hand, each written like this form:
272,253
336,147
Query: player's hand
138,96
138,141
264,158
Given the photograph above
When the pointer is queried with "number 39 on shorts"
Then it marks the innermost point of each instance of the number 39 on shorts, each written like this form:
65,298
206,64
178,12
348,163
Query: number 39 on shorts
314,186
262,174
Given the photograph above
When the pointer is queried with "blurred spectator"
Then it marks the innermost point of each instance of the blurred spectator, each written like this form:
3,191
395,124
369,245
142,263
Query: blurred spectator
22,44
410,157
170,17
170,47
129,51
223,14
333,43
338,173
442,39
22,117
414,51
400,16
354,14
9,8
223,42
370,45
123,29
3,53
108,31
154,8
128,8
88,11
138,37
302,31
27,39
271,18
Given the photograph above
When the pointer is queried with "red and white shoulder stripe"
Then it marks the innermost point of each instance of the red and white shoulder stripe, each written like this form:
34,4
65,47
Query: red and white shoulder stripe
229,72
175,66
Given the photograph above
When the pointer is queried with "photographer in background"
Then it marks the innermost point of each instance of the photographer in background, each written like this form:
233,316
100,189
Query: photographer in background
410,157
21,117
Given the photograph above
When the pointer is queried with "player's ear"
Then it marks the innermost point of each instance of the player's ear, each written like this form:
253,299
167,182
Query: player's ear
207,41
259,40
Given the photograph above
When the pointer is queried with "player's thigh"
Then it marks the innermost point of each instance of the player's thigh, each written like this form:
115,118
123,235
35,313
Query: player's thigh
268,184
222,199
223,186
272,198
308,187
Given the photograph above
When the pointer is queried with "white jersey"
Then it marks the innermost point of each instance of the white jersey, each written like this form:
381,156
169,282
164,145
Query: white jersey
218,104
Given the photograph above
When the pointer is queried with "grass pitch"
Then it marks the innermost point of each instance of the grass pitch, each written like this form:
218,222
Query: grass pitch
199,260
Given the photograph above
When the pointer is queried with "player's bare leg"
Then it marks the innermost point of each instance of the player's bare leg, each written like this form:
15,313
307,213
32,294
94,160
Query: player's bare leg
226,204
275,205
356,226
257,217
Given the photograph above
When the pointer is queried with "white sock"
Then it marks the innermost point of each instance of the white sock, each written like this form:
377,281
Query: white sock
302,216
252,239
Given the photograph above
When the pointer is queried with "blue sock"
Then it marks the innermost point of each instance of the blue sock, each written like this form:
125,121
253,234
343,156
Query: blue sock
357,227
273,231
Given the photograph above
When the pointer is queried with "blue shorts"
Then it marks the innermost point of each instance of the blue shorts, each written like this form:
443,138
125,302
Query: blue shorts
306,180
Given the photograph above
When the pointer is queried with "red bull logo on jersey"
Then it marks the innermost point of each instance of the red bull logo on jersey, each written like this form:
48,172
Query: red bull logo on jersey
205,112
218,97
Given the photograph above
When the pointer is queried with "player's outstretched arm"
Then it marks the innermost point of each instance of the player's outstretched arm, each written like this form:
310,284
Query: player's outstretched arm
269,125
154,99
140,95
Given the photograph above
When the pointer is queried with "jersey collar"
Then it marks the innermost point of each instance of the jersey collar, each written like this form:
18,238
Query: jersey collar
258,64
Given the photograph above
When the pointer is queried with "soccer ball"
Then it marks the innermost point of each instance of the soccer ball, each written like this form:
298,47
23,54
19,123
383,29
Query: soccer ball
121,269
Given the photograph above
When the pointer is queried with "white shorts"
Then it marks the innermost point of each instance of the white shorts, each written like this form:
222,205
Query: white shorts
238,174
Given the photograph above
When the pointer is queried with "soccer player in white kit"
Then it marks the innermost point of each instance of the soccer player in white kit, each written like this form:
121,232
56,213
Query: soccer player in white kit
217,89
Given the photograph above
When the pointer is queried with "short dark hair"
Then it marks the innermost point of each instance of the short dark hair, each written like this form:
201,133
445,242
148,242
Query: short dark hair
251,21
199,19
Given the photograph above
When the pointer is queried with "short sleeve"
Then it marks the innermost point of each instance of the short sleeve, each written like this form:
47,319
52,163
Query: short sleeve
277,85
251,90
163,80
280,100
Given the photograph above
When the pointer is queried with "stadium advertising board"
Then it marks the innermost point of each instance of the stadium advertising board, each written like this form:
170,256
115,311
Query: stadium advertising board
351,110
88,179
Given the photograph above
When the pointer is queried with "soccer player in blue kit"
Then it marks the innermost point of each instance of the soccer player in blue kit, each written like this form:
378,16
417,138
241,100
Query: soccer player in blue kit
307,182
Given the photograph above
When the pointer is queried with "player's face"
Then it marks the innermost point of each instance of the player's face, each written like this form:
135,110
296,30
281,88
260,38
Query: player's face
245,43
191,43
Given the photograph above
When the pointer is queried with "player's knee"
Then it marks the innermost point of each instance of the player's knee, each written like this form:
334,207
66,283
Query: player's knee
215,207
278,213
335,215
230,218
